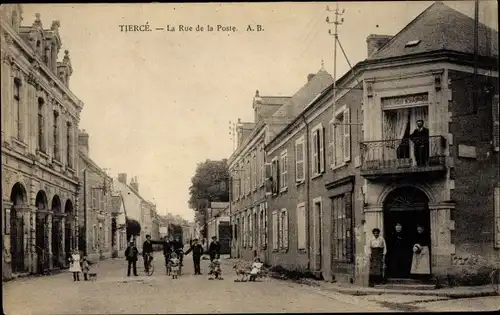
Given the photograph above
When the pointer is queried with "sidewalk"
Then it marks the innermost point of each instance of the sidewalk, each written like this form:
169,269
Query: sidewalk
351,289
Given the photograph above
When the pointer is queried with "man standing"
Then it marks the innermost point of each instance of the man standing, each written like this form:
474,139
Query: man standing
420,138
197,250
178,247
131,255
214,248
147,252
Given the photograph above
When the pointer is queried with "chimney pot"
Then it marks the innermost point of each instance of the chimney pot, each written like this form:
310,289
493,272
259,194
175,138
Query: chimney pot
374,42
122,178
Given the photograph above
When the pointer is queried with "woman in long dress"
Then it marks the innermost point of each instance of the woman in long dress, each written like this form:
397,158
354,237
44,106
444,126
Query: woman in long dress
420,265
74,266
378,250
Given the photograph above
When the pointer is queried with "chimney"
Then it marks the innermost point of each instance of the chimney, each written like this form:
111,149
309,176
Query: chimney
83,141
122,178
134,184
374,42
310,76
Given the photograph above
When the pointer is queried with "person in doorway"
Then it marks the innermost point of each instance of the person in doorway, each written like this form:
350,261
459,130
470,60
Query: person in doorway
74,266
420,265
197,250
420,138
377,252
147,252
131,254
399,254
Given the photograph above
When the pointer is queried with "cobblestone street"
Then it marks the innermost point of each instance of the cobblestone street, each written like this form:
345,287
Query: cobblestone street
114,293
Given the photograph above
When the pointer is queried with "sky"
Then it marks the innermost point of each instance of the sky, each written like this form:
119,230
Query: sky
157,103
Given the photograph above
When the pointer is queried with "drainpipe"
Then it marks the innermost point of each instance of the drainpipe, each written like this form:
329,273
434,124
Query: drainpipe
85,211
308,197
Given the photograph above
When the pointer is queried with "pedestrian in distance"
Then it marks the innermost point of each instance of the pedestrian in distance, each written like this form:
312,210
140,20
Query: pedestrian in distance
131,254
147,252
74,266
85,268
214,248
197,250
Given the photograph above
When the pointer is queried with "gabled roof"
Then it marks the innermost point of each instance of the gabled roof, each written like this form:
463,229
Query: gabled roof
274,100
440,27
306,94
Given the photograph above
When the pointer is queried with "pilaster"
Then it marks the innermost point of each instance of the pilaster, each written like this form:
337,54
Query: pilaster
441,245
49,238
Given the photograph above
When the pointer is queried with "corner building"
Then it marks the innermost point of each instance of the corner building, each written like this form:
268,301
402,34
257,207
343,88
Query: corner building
40,117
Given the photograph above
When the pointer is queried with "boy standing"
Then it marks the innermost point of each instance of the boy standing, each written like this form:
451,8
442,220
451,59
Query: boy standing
197,250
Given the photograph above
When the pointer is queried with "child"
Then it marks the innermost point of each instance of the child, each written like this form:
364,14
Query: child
74,267
256,266
85,268
215,269
174,265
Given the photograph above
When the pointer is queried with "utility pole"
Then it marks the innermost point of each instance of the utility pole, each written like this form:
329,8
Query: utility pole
335,35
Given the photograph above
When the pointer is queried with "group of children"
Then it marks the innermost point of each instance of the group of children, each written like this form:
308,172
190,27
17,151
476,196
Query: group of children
79,265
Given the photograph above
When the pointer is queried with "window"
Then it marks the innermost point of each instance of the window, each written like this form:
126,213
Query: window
41,126
283,230
248,171
262,166
94,236
250,229
496,198
341,136
275,175
102,201
262,235
300,165
301,226
93,197
265,225
57,155
341,215
275,230
254,170
318,150
284,171
69,153
245,226
17,110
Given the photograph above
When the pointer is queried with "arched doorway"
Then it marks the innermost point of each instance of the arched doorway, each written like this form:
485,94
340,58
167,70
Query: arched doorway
69,236
407,206
56,231
18,198
42,236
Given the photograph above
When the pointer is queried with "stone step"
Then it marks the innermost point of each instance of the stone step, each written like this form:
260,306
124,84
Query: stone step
403,281
401,286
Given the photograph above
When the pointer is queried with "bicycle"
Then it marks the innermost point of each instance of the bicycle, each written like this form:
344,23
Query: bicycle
151,267
495,280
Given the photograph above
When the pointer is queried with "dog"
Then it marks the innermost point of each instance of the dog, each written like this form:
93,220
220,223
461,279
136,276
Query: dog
92,276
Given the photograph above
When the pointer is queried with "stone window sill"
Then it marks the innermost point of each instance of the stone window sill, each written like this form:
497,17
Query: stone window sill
19,143
57,162
42,154
316,176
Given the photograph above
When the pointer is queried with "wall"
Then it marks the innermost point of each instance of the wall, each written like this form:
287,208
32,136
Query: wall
475,177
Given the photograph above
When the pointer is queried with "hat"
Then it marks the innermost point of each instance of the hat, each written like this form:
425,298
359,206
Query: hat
214,237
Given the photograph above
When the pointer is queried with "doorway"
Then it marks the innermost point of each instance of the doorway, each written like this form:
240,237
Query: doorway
407,206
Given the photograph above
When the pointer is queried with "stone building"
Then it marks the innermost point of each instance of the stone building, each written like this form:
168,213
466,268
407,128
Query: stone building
40,117
118,232
449,185
95,206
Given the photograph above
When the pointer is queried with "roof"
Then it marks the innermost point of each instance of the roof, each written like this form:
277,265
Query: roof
274,100
219,205
305,95
440,27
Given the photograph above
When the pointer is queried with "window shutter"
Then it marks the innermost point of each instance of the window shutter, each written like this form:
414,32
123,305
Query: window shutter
275,230
496,124
331,142
280,230
285,229
347,135
315,148
348,227
301,227
322,149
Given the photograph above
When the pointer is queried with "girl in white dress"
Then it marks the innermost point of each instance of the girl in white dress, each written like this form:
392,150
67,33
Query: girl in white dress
74,266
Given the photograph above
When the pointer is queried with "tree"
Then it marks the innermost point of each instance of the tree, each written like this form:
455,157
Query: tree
133,228
209,183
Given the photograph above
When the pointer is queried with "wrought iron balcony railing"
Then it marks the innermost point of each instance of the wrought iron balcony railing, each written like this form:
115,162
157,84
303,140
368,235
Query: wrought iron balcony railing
416,154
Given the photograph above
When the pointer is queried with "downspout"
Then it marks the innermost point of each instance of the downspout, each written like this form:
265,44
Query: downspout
308,197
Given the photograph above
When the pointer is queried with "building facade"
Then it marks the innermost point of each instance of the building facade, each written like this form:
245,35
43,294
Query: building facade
118,225
40,117
247,171
95,205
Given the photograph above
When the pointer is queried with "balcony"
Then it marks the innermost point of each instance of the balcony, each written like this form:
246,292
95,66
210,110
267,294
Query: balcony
396,158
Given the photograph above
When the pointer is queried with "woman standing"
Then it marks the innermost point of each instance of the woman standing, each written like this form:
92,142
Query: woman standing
420,265
378,250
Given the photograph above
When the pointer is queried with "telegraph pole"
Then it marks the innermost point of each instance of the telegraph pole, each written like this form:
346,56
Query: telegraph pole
335,35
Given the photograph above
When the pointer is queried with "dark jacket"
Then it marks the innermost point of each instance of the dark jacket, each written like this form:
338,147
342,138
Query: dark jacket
167,248
147,247
197,251
420,137
131,253
214,248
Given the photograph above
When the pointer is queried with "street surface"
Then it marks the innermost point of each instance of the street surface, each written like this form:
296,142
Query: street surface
114,293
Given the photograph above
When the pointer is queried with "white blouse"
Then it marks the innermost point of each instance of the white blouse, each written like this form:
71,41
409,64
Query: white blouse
378,243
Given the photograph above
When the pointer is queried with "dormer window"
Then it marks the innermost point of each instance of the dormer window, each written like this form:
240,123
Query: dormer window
413,43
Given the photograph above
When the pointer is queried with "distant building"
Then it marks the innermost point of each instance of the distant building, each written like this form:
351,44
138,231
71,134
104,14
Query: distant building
118,223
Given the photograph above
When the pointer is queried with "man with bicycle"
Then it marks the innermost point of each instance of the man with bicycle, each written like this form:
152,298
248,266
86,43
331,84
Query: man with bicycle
147,252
